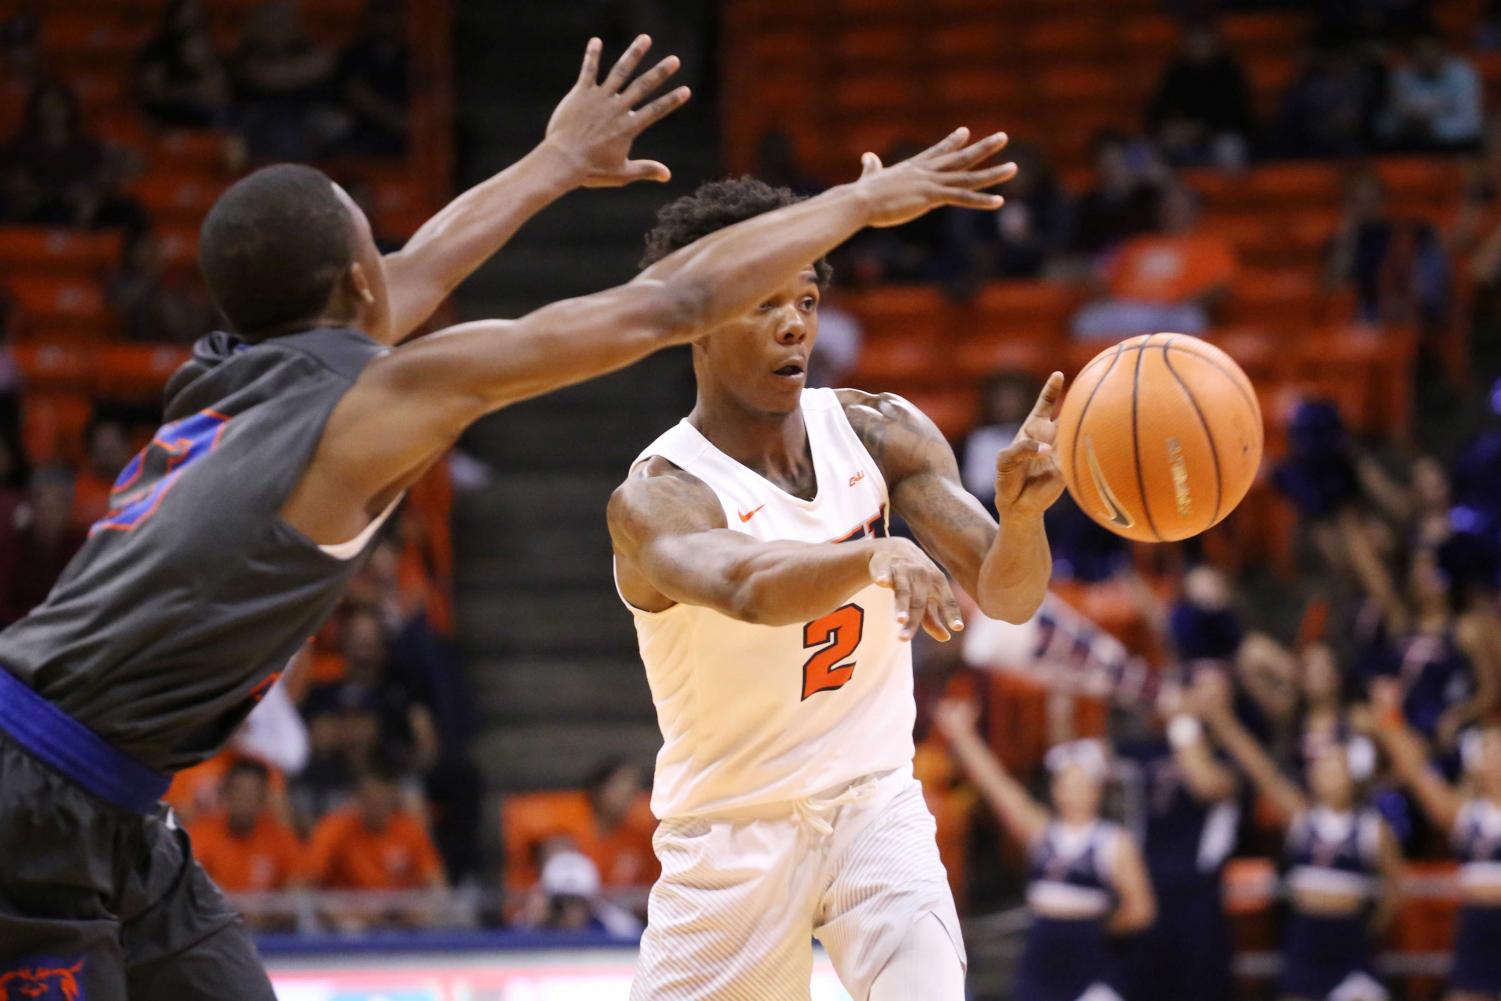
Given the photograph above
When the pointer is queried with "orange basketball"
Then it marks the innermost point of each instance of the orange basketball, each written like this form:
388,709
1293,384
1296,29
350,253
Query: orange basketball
1159,437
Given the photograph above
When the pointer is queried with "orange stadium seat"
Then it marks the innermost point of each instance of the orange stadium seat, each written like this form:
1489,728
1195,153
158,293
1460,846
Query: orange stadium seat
1276,31
1078,82
983,353
1076,36
56,366
528,819
178,198
877,91
137,370
952,409
894,356
95,33
1279,299
197,150
1033,303
57,251
52,425
980,39
795,47
973,85
179,246
99,90
61,303
887,46
862,11
1157,33
1289,185
919,309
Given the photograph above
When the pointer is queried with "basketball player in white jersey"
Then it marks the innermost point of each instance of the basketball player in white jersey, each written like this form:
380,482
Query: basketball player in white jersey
773,615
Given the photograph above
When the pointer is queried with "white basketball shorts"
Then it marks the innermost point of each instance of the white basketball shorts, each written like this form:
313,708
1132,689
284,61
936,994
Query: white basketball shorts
741,896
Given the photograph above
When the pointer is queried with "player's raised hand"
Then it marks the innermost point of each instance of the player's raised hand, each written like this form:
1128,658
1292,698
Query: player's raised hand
1027,477
955,717
596,122
922,591
951,172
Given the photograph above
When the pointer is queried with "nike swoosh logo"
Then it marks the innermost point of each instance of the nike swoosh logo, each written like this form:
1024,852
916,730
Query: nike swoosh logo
748,515
1116,513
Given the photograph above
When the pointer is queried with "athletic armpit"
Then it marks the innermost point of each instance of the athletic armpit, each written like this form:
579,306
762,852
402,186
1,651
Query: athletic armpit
656,499
922,476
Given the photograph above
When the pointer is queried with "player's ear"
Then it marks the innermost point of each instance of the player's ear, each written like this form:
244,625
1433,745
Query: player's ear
360,282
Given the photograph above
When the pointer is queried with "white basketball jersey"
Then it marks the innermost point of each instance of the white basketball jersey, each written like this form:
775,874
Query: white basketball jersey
753,715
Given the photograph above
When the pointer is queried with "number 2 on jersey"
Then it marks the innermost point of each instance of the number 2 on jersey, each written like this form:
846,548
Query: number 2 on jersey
836,636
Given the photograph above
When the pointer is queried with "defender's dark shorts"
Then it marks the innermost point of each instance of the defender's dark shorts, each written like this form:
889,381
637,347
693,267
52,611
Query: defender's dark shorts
101,904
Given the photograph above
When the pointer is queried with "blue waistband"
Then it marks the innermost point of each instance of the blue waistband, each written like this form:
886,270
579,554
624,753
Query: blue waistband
76,752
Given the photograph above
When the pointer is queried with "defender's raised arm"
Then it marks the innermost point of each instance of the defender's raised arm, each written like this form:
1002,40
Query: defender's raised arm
413,403
588,145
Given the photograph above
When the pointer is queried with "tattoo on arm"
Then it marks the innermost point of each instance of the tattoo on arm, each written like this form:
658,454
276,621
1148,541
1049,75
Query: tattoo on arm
923,477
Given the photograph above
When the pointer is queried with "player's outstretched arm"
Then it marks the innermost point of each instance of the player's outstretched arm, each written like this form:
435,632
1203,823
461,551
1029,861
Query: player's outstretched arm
411,404
588,145
1004,567
673,546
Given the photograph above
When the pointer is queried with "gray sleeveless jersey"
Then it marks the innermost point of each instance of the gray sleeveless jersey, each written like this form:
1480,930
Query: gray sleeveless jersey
192,593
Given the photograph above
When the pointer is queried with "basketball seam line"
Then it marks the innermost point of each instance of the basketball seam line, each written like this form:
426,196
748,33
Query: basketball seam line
1141,481
1073,448
1214,452
1206,359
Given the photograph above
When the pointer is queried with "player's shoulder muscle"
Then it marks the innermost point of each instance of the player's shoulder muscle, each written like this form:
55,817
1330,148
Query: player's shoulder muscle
899,437
659,497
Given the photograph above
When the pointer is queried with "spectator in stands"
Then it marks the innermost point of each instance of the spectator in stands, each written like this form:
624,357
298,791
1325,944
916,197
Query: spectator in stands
406,724
158,306
281,80
343,728
620,843
1027,234
372,84
1202,111
107,449
54,173
840,338
1435,99
1469,814
375,844
1169,280
181,77
46,540
244,846
1345,864
1182,800
568,899
1123,201
1087,880
1441,634
1331,107
1397,268
1005,401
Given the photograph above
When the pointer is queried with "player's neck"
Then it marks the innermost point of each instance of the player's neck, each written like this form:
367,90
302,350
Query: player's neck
773,445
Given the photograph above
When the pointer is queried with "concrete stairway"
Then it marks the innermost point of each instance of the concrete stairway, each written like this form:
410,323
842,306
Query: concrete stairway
549,649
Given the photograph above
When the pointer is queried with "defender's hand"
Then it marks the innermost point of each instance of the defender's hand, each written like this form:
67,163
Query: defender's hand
1027,477
949,173
595,124
922,591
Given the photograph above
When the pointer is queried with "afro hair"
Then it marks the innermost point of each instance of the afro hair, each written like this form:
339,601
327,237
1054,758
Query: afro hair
714,206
